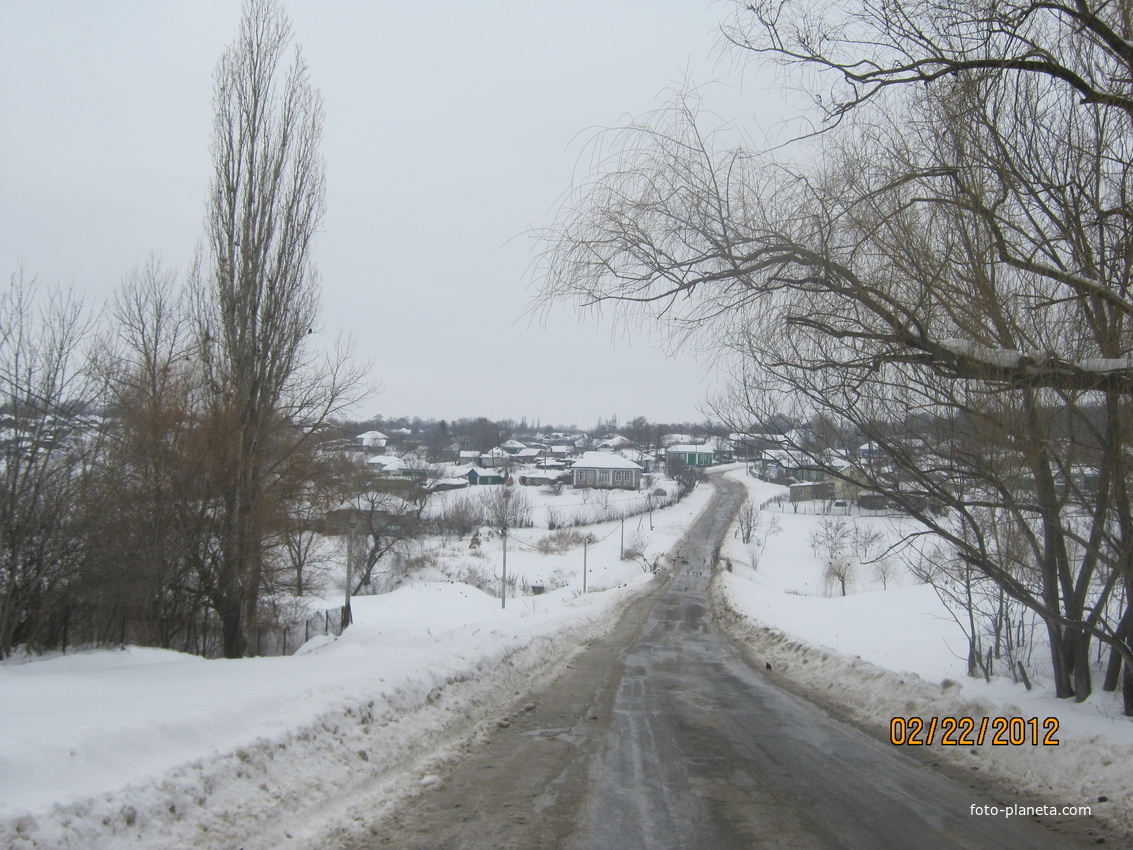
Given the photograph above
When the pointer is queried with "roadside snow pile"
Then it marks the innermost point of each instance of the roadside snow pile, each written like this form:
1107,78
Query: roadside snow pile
146,748
897,653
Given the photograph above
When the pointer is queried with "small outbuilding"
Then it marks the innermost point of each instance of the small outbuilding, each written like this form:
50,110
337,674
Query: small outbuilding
478,476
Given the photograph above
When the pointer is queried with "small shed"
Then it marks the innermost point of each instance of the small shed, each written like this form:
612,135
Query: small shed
479,476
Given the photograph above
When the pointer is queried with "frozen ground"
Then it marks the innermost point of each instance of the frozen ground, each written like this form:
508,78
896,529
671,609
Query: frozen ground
898,653
154,749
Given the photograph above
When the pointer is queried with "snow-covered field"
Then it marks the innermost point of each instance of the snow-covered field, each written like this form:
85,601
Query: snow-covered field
898,653
152,749
155,749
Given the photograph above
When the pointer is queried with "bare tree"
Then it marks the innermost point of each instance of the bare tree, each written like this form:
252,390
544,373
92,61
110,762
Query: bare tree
303,534
838,571
256,295
884,570
506,507
390,512
948,281
45,443
862,49
746,521
151,506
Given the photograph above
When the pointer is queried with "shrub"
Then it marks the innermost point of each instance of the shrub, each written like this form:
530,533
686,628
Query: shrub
562,540
460,516
635,547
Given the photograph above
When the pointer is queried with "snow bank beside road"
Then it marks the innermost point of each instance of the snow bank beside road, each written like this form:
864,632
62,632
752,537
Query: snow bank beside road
1092,770
144,748
891,653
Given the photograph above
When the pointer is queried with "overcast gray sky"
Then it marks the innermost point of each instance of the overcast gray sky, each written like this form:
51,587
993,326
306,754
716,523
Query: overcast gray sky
452,129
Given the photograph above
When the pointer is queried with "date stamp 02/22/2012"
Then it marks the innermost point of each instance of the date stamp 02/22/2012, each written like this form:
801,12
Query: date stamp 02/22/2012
973,732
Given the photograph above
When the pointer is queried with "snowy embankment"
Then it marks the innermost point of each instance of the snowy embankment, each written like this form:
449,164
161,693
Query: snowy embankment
148,748
896,652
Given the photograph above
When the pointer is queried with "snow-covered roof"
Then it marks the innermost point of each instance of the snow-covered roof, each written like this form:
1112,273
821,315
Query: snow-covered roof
617,441
689,448
540,475
635,455
450,483
605,460
790,458
369,438
485,473
386,462
386,503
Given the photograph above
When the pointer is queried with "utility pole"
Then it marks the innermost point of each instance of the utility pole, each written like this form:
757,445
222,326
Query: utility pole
503,582
347,616
584,548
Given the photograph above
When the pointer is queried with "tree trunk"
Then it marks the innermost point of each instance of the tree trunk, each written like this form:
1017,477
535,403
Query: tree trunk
233,642
1078,645
1063,685
1113,668
1127,691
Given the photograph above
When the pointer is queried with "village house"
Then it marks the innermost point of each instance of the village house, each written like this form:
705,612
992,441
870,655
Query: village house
786,463
373,442
387,513
540,478
385,464
613,443
645,461
723,449
691,455
495,458
606,470
848,482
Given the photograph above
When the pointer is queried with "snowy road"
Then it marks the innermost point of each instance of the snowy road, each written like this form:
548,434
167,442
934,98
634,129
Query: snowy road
660,735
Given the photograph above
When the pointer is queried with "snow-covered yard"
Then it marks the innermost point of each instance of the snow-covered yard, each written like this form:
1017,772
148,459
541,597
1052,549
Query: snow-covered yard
148,748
